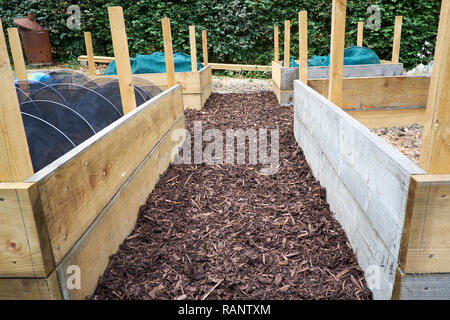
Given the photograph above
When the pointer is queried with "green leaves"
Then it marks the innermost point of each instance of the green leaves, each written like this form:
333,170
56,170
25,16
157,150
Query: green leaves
239,31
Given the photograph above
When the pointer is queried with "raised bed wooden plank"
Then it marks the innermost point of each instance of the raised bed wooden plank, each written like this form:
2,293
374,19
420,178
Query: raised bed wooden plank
426,238
397,117
30,288
422,286
25,247
374,175
82,182
379,92
92,251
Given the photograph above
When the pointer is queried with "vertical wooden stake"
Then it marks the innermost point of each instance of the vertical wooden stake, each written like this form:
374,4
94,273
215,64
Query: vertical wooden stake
168,52
17,54
287,42
90,53
435,154
193,44
359,41
397,37
205,48
303,45
276,54
15,161
122,57
337,51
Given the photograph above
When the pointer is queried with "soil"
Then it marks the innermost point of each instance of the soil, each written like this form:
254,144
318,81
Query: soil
406,139
225,231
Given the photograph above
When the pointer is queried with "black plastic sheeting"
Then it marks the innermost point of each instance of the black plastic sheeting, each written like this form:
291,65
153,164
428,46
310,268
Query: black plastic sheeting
67,108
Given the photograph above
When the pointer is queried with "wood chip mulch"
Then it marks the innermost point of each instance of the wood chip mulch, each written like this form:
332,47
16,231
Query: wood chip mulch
229,232
406,139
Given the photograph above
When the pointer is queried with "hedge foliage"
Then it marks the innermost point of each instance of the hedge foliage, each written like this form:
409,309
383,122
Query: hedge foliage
239,31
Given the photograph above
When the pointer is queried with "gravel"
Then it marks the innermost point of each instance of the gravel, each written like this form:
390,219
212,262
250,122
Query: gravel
406,139
235,85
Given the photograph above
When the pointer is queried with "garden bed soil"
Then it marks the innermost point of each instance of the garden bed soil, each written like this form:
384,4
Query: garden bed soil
226,231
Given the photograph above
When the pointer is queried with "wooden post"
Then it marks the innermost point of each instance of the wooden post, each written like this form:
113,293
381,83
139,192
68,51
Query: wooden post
397,37
90,53
205,48
276,54
17,54
303,45
168,52
287,42
435,154
337,51
193,48
15,161
122,57
359,41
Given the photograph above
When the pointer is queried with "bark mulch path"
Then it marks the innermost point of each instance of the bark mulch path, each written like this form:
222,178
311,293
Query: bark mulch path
229,232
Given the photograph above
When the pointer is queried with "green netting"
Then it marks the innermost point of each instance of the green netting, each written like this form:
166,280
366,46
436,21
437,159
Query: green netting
155,63
352,56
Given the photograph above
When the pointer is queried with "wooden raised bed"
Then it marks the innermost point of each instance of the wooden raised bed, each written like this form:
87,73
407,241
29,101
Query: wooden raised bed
396,215
196,85
77,210
283,77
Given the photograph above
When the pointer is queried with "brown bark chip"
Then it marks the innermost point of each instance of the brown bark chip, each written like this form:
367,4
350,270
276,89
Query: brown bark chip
226,231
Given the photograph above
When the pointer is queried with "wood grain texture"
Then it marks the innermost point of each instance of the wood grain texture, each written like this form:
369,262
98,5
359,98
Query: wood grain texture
25,249
337,51
368,177
435,153
17,54
276,50
122,57
15,161
193,45
303,45
168,51
376,92
83,181
92,251
381,118
426,237
397,38
30,288
422,286
287,42
90,53
205,47
359,38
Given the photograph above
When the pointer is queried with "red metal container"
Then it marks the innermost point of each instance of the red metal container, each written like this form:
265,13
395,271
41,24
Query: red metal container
36,45
36,41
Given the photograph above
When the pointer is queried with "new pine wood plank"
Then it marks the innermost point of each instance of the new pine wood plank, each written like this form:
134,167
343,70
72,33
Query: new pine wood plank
82,182
389,117
30,288
287,42
426,237
205,47
375,92
337,51
359,39
276,50
303,45
17,54
397,38
122,57
90,53
240,67
193,45
276,73
97,59
25,249
92,252
435,153
15,161
168,51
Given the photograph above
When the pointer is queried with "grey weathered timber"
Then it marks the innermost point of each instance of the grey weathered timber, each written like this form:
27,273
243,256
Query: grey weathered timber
366,179
288,75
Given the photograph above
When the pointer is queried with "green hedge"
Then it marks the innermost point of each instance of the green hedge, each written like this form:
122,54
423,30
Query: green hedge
239,31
